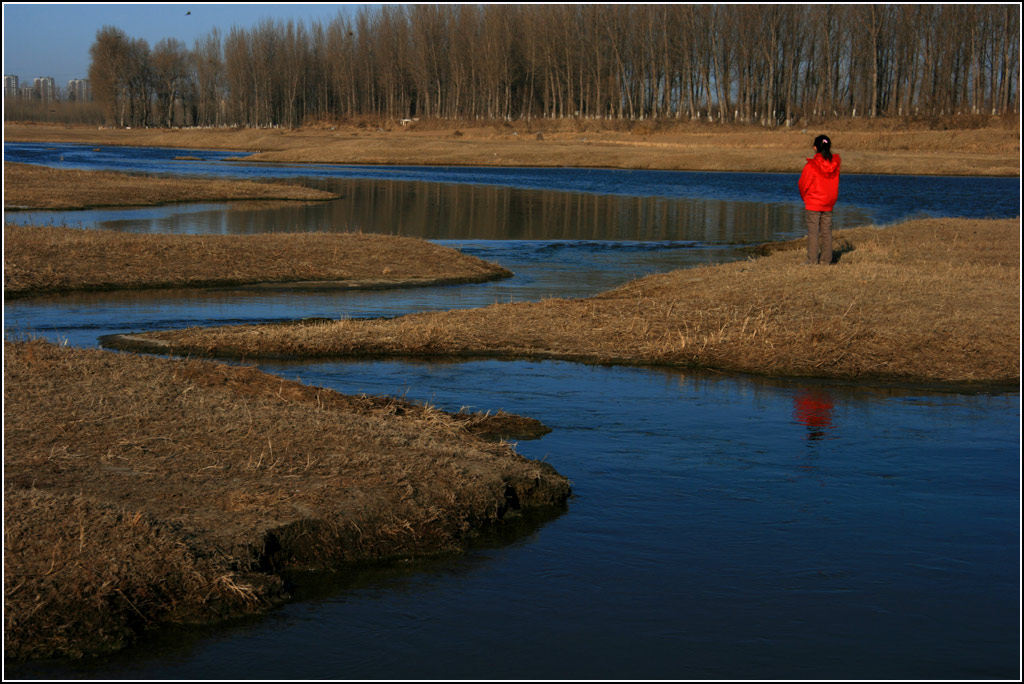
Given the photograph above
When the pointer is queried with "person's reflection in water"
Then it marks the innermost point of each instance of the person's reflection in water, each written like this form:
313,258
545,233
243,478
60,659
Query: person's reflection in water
813,409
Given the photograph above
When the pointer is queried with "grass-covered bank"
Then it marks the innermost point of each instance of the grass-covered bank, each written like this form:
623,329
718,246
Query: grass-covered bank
43,260
929,301
27,186
141,491
883,146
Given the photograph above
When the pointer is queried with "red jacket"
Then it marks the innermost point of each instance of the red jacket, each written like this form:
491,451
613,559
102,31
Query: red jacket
819,183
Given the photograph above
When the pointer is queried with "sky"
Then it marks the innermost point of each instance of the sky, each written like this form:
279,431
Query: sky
53,39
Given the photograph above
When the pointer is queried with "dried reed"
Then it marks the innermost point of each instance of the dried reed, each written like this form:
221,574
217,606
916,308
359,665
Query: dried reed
40,260
142,491
868,146
27,186
933,300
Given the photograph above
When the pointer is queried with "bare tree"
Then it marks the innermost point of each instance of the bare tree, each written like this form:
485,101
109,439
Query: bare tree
767,64
170,72
208,77
110,55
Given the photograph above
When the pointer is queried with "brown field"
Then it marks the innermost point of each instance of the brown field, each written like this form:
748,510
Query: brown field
27,186
927,301
975,147
41,260
142,491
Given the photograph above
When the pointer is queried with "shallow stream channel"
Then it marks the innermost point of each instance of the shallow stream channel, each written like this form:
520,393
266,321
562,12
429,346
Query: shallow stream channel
722,527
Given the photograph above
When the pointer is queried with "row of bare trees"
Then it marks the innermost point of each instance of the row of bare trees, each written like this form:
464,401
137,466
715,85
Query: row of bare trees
767,64
139,86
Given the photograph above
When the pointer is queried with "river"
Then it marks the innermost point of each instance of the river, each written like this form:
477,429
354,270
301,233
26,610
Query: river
722,527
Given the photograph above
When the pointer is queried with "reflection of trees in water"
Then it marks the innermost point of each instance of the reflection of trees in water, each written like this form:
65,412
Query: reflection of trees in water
461,211
455,211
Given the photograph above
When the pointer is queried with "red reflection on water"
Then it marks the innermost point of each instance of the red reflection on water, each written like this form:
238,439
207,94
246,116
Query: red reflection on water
813,409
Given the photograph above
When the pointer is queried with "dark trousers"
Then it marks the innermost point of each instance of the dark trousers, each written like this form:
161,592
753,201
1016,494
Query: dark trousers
819,237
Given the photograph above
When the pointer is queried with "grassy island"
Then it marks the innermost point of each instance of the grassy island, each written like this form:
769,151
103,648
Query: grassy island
44,260
27,186
141,491
926,301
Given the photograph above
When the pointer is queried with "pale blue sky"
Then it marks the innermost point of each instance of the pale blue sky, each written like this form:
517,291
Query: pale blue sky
51,39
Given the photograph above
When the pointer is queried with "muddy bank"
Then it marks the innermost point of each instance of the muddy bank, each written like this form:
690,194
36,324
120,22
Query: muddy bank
48,260
927,301
141,491
27,186
868,146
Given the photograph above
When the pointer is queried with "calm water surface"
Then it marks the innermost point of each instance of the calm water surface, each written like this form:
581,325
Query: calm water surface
519,203
721,526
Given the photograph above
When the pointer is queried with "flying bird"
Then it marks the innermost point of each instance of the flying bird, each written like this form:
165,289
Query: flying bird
188,13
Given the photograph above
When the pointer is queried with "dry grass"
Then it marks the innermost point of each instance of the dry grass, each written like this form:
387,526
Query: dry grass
926,301
41,260
956,147
27,186
142,491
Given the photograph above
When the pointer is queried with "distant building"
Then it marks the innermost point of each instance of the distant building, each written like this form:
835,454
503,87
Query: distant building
79,90
45,88
27,92
11,86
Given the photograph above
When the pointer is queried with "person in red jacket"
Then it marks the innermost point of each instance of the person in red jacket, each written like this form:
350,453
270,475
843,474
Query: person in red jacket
819,188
